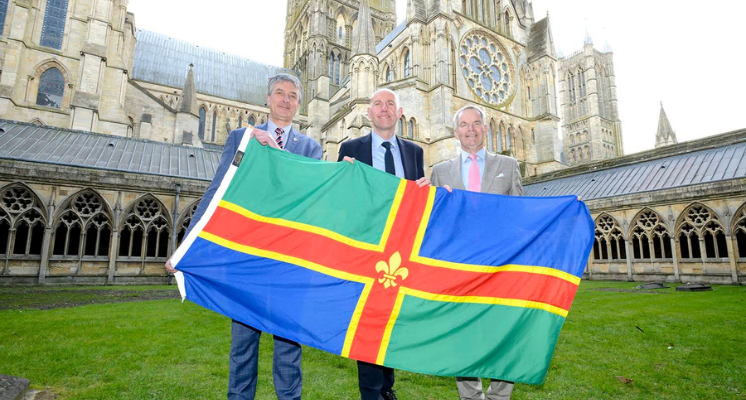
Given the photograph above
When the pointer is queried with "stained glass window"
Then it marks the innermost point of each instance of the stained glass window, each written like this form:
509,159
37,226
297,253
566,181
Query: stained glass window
202,120
486,67
51,88
54,24
407,63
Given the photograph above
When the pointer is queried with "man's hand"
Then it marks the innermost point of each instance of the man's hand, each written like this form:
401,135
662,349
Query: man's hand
448,188
169,268
349,159
422,182
265,138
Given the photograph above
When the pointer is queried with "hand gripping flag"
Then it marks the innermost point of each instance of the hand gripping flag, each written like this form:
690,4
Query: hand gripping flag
359,263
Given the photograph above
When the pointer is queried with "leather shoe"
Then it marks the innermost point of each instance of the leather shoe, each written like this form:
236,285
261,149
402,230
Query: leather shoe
390,395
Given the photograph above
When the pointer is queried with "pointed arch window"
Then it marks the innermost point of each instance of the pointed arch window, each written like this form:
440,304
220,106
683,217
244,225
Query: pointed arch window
240,119
581,83
701,234
202,121
401,127
739,231
609,243
252,120
83,228
388,74
331,66
183,225
509,141
650,238
410,131
500,138
490,140
571,85
21,222
407,64
145,231
51,88
54,24
337,64
214,123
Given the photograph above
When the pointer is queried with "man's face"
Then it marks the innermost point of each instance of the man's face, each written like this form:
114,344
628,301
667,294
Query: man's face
470,131
283,102
383,112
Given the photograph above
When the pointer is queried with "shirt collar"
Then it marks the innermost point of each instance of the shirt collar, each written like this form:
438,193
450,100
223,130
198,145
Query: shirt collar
377,141
480,155
271,127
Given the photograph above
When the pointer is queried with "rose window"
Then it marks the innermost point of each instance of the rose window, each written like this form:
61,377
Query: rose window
487,68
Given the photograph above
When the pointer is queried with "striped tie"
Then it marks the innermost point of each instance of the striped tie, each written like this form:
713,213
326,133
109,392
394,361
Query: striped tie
279,133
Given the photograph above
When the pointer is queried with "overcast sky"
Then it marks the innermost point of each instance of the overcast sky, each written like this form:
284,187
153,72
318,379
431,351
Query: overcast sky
685,56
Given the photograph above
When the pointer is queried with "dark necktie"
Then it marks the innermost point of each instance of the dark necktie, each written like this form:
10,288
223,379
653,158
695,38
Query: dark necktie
389,159
279,133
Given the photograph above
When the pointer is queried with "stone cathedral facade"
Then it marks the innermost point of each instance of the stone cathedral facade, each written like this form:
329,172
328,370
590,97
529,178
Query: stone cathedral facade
109,135
446,54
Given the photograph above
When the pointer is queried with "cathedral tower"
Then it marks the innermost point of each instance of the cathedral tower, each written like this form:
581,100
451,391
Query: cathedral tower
319,40
665,136
591,128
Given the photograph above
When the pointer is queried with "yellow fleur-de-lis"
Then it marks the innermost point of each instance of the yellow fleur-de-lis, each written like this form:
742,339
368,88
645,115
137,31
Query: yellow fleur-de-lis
391,270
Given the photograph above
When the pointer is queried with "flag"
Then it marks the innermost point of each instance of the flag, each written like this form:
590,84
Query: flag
353,261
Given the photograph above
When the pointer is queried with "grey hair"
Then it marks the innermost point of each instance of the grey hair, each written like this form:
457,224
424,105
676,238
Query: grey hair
458,113
396,96
283,77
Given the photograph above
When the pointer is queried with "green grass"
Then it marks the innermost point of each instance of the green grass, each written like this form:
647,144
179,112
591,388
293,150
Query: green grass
163,349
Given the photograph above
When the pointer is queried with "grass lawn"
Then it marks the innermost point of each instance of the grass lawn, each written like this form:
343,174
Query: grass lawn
617,343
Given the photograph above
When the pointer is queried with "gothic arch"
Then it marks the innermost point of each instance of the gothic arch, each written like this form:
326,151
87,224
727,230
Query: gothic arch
406,57
145,230
83,226
185,219
701,233
738,230
650,236
42,68
37,121
609,242
23,219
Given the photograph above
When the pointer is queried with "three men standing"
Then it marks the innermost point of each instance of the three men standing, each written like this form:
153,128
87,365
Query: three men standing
477,170
474,169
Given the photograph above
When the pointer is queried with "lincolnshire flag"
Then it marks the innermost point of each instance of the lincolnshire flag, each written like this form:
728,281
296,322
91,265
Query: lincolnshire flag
359,263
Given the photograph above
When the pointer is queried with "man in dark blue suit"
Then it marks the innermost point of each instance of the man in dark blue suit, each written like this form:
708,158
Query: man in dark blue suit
283,99
383,150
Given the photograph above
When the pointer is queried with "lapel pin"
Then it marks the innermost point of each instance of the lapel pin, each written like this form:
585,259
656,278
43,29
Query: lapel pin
295,139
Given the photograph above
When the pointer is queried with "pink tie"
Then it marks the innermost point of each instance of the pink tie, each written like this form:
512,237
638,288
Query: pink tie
475,181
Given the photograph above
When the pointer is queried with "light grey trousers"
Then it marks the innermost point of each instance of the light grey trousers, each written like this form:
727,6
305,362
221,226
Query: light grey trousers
471,389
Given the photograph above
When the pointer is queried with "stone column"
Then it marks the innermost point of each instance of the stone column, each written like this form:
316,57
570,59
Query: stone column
732,257
45,244
629,260
675,256
113,256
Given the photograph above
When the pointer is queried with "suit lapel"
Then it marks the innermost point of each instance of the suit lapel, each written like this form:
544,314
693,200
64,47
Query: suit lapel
454,170
365,151
290,143
407,160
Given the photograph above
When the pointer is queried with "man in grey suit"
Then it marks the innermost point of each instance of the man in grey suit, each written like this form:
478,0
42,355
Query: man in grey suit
477,170
283,99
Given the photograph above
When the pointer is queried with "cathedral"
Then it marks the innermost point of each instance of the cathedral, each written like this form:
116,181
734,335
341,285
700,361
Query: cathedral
109,135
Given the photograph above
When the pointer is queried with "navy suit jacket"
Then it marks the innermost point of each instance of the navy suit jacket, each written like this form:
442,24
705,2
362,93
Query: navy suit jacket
295,142
411,154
